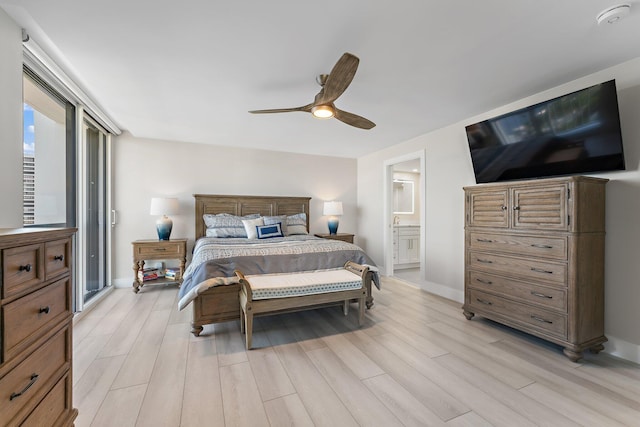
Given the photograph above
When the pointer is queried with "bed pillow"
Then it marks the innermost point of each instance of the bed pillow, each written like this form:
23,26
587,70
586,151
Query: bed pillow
250,226
282,219
226,225
269,231
297,224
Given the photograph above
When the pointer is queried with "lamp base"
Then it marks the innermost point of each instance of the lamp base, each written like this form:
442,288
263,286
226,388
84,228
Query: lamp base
333,225
164,226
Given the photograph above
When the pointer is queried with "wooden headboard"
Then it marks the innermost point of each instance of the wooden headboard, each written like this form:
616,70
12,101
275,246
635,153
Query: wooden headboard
245,205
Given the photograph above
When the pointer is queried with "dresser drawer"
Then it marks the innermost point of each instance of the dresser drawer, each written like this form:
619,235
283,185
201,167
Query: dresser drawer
522,268
56,258
24,385
537,318
55,408
546,247
550,298
158,251
22,268
34,315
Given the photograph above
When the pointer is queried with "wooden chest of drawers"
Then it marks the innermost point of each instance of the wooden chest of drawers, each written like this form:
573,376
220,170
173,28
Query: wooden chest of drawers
36,328
534,258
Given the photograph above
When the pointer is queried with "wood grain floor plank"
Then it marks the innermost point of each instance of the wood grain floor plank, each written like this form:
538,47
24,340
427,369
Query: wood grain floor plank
360,401
241,398
120,407
230,343
202,378
270,375
401,403
288,411
470,419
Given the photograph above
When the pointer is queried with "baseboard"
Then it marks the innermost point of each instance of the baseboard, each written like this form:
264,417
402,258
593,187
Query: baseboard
622,349
436,289
122,283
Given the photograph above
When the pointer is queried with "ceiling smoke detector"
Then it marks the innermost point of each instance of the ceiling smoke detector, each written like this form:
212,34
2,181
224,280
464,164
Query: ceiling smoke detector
613,14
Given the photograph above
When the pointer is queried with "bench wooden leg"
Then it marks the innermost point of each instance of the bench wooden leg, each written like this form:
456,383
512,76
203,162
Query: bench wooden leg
361,304
345,307
249,328
242,320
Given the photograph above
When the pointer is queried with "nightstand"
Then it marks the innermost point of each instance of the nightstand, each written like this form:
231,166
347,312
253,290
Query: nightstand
345,237
157,250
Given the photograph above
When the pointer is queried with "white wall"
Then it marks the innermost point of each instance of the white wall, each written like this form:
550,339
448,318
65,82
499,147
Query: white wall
448,169
10,122
146,168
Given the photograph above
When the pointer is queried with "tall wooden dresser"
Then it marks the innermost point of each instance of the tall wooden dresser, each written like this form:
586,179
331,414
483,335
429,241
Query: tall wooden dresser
35,327
534,258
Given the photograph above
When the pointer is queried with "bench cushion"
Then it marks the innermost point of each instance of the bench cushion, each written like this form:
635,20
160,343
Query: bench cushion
267,286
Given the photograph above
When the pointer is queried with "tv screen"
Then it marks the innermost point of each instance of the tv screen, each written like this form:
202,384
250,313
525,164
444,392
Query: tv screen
569,135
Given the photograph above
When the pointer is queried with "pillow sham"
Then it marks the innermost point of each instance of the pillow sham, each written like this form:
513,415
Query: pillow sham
226,225
282,219
250,227
297,224
269,231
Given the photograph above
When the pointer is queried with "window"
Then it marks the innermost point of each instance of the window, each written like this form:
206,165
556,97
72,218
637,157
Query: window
49,160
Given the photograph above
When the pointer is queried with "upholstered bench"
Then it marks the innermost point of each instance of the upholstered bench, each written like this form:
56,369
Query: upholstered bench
264,294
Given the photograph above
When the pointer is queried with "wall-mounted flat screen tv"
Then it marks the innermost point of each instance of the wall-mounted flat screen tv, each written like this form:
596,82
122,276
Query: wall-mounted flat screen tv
573,134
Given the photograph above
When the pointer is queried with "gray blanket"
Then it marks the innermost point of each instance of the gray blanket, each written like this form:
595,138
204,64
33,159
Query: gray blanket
215,260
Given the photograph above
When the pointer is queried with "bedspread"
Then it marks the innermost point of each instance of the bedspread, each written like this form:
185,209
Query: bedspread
215,260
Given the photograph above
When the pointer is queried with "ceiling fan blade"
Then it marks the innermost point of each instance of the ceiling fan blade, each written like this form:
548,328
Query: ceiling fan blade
305,108
339,79
353,119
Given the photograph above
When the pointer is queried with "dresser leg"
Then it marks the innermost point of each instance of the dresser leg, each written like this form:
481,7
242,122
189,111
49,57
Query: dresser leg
596,349
196,329
574,356
469,315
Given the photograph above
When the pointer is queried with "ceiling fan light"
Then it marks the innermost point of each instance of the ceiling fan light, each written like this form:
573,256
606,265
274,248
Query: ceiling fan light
323,111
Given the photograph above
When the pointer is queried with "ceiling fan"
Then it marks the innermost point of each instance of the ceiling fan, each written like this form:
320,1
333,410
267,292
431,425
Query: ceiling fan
333,85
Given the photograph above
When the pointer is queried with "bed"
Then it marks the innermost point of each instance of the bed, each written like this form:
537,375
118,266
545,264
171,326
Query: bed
210,285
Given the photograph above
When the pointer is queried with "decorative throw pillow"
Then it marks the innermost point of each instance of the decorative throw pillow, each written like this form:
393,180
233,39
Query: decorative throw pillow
250,227
282,219
226,225
269,231
297,224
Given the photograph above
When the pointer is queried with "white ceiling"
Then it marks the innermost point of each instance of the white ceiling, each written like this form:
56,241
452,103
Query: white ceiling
190,70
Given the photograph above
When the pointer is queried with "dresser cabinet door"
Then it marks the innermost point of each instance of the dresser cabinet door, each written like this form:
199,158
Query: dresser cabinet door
543,208
488,209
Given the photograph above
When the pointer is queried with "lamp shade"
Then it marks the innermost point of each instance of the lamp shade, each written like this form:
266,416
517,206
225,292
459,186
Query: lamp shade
332,208
164,206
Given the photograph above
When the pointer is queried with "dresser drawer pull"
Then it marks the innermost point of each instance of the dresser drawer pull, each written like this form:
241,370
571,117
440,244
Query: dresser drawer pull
504,208
516,208
539,270
58,258
159,249
485,240
486,282
34,378
484,261
540,319
44,310
541,246
539,295
484,301
25,268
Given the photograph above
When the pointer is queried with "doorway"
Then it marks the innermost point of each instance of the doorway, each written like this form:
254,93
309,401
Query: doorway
404,217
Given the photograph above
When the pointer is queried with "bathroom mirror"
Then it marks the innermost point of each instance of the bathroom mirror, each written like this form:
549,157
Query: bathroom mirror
402,197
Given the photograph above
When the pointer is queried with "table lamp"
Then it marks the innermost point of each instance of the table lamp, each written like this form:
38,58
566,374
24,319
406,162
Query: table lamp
333,209
164,206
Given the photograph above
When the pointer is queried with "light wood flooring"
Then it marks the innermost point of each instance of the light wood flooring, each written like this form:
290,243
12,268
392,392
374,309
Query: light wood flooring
416,362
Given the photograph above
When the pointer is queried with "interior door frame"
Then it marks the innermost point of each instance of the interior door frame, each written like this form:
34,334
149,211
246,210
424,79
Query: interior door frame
388,209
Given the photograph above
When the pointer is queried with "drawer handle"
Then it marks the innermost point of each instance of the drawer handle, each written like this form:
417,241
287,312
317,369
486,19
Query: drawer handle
539,270
484,301
541,246
516,208
485,240
159,249
58,258
540,319
539,295
44,310
484,261
504,208
486,282
25,268
34,378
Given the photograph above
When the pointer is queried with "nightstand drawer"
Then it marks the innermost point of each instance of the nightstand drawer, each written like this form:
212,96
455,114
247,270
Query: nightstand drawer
22,268
34,315
23,386
158,250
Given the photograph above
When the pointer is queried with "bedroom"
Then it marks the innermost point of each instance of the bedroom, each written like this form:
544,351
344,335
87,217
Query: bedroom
356,181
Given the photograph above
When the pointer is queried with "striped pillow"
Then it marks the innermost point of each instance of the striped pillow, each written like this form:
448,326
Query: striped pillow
226,225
